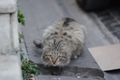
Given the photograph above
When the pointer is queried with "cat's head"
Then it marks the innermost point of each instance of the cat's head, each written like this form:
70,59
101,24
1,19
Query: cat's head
56,53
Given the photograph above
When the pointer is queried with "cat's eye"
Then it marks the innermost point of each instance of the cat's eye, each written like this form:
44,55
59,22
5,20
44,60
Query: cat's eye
62,59
48,55
46,58
55,33
64,33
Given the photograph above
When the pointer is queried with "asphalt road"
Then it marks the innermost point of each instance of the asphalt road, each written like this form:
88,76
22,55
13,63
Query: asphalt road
42,13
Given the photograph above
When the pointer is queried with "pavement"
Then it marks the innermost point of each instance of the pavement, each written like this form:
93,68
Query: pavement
10,67
42,13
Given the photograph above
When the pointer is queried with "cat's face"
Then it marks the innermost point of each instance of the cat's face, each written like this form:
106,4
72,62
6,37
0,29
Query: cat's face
55,60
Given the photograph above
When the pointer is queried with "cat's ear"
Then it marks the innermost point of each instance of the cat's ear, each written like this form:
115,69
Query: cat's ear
38,44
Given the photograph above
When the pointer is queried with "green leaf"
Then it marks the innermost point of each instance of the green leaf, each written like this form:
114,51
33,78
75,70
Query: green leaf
21,17
28,68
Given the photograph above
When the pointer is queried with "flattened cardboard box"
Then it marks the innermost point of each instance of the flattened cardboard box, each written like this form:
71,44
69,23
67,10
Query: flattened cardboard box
107,57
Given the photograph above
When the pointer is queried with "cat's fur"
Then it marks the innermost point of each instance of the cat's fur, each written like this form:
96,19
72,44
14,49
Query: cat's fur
62,41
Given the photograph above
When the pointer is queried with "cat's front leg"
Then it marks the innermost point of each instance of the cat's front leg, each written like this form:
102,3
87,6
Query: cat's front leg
77,52
38,44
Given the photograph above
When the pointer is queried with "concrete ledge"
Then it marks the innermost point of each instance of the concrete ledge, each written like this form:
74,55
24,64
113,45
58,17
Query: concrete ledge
8,32
14,31
49,77
10,67
5,38
8,6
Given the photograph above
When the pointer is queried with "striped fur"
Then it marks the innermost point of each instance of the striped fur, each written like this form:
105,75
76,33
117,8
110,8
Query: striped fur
62,41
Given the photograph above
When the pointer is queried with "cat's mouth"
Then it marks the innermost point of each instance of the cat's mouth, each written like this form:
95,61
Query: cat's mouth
55,64
54,61
59,65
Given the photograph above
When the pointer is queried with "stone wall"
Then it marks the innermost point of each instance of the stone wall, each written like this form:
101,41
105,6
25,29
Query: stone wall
10,63
8,26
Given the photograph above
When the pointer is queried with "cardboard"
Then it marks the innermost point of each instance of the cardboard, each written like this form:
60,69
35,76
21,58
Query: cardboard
107,57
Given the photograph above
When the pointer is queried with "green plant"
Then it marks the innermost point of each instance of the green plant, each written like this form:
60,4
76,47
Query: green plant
21,17
29,68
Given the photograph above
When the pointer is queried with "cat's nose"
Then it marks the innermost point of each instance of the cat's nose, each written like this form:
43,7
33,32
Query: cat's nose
54,61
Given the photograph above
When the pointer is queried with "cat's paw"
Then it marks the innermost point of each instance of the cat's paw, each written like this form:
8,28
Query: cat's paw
38,44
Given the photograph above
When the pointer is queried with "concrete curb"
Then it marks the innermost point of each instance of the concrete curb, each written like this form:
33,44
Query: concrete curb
49,77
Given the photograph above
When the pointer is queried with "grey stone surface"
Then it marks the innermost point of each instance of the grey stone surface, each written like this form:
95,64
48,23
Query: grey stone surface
72,71
8,32
8,6
10,67
8,27
113,39
111,20
41,77
14,31
5,36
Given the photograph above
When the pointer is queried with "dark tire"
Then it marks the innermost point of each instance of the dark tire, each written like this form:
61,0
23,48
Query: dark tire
93,5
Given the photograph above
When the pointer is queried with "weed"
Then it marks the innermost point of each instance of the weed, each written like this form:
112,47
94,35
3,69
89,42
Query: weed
29,68
21,17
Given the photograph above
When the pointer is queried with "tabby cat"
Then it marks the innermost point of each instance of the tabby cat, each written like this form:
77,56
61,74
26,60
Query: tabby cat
61,42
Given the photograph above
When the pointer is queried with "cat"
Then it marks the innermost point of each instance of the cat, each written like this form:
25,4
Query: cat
61,42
